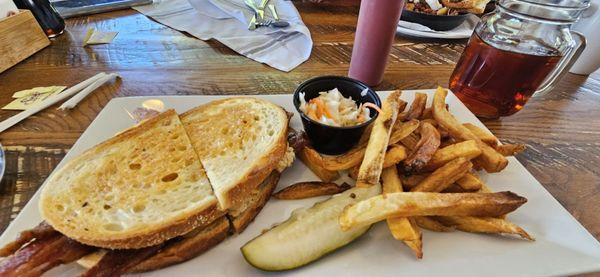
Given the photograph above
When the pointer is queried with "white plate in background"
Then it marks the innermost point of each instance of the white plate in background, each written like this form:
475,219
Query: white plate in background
463,31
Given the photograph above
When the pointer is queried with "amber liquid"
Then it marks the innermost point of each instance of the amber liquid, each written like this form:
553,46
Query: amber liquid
492,82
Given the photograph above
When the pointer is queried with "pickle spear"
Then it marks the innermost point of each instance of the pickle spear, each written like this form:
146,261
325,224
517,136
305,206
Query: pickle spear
307,235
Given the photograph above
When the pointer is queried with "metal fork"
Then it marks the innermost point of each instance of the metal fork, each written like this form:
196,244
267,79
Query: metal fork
253,22
258,20
273,23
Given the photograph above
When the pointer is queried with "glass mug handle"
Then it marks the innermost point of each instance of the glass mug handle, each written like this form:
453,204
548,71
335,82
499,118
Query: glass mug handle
564,64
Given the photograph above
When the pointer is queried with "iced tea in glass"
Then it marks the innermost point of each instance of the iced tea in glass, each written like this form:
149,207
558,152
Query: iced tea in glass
520,49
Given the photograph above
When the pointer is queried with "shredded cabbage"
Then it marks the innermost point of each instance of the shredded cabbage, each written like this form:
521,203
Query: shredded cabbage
337,111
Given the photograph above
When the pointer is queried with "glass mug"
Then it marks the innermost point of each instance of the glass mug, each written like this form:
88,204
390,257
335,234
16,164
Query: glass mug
521,48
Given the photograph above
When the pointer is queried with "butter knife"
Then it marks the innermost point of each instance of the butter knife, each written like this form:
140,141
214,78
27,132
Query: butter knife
261,10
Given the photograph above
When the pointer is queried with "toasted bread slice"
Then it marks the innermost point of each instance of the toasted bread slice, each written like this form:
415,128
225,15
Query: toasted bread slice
198,241
137,189
259,198
239,141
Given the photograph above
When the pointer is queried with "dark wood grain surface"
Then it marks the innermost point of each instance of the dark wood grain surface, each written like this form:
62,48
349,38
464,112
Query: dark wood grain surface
561,129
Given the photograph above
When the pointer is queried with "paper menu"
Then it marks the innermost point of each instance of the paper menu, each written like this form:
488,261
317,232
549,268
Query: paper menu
7,7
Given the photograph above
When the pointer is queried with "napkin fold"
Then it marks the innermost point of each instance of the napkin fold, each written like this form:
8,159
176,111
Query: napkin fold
227,21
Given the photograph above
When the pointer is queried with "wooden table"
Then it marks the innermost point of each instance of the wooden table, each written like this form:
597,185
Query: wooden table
561,129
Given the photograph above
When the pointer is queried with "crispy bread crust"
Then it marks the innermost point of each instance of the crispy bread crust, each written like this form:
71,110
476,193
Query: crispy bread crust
139,239
239,194
266,189
236,197
185,226
188,248
202,239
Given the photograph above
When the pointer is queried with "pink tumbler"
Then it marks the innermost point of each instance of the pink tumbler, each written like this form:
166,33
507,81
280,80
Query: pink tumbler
377,21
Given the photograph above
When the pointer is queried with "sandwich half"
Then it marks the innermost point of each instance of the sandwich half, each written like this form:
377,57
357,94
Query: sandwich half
159,193
194,243
240,141
140,188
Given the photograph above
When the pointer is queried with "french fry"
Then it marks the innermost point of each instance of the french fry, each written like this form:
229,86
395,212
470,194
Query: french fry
353,172
410,141
416,107
394,155
365,136
407,204
355,155
430,224
415,245
344,161
454,188
448,141
391,180
510,149
467,149
372,164
490,225
409,182
469,182
313,156
402,130
490,160
443,133
427,114
401,106
424,150
430,121
444,176
304,190
482,134
316,167
402,228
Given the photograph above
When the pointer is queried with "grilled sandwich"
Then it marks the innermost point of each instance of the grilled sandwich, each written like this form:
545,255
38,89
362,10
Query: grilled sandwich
159,193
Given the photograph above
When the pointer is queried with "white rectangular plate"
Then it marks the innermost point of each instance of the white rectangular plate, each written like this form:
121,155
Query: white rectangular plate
562,245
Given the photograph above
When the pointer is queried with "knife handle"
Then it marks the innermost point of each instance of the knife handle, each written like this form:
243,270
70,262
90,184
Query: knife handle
273,12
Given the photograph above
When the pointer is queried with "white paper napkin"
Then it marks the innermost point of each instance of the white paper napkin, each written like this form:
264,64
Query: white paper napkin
6,7
463,30
227,22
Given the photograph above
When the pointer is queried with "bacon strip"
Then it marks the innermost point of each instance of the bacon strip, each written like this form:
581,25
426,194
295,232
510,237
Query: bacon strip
297,140
42,248
117,262
42,255
43,230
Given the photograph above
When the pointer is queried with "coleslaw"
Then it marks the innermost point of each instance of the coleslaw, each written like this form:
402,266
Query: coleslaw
332,108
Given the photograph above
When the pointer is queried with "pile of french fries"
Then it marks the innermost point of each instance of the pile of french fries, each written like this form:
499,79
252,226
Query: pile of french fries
427,163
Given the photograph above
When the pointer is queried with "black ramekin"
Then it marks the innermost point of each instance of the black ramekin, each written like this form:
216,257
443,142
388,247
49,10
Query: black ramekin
434,21
333,140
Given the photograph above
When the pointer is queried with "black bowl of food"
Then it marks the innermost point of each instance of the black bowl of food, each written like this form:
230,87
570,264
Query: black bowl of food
438,18
335,112
433,21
